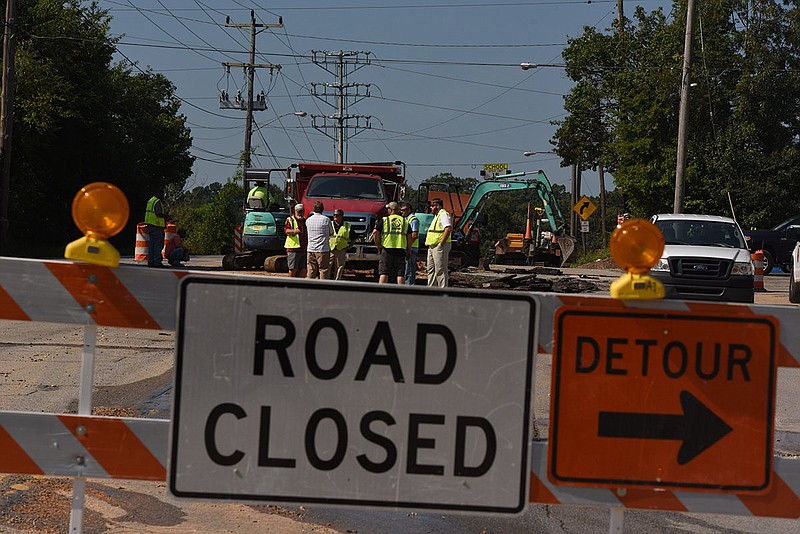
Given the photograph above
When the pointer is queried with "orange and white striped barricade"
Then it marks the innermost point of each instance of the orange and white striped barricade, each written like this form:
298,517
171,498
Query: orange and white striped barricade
134,297
141,251
758,266
169,232
83,446
237,239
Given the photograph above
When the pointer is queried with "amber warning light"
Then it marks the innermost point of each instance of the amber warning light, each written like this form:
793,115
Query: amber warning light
100,210
636,246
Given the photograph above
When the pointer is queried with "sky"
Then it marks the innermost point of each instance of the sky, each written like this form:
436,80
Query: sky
446,90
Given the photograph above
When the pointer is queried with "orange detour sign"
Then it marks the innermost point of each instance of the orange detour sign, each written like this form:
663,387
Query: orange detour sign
662,399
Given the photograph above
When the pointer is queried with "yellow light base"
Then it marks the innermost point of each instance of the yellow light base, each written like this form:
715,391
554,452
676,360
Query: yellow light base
92,250
631,286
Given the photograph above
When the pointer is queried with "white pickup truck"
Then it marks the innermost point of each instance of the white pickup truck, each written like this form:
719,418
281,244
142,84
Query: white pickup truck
705,258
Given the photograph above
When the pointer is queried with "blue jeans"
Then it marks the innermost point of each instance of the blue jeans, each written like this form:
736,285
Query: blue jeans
177,256
411,268
154,244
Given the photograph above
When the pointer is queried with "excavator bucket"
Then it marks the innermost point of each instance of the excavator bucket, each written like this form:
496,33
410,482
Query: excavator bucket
569,249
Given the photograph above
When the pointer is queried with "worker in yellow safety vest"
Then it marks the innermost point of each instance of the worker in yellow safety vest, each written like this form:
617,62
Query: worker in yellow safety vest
392,237
296,243
411,263
438,243
259,196
340,242
156,221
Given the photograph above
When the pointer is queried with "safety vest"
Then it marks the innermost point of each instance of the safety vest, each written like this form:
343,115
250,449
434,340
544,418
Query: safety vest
410,218
292,241
150,216
435,230
393,234
262,193
340,239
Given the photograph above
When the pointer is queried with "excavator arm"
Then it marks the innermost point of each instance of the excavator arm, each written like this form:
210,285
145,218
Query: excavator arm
508,182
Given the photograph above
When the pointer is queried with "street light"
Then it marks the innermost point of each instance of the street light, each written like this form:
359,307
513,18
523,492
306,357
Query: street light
534,152
526,66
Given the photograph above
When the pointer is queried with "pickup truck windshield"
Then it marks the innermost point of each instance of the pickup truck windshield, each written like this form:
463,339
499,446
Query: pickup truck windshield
351,187
707,233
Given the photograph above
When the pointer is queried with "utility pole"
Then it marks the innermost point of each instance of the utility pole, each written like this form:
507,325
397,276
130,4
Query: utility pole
620,16
683,113
251,68
339,95
7,113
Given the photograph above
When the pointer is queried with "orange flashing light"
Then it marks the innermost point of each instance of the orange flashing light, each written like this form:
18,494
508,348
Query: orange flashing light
100,210
636,246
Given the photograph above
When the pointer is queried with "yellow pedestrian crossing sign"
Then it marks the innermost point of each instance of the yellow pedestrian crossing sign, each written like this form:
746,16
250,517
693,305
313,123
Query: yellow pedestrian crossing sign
584,208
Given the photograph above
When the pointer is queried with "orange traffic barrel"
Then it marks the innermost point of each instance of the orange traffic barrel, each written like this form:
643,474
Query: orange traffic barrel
237,239
142,240
758,265
170,232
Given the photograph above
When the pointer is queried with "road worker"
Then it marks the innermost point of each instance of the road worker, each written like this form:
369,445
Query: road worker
392,237
438,243
259,196
296,242
340,241
411,263
156,221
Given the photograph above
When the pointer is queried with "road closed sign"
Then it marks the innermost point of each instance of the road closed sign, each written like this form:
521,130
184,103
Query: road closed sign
663,399
352,394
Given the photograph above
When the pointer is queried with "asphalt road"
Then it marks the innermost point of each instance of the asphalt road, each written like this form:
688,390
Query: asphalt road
41,369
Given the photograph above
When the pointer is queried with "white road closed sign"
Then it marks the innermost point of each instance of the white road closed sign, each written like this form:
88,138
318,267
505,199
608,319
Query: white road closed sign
352,394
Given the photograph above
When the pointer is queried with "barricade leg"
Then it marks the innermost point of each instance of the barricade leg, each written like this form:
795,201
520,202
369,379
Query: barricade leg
84,408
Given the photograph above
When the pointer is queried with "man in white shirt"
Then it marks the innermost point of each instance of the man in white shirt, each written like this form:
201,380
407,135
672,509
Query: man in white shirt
319,247
438,243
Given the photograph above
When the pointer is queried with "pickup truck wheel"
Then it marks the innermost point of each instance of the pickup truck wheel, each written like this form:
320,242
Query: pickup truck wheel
769,262
794,290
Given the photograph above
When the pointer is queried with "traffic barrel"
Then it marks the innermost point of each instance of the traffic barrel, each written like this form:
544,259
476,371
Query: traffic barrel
170,232
758,265
140,253
237,239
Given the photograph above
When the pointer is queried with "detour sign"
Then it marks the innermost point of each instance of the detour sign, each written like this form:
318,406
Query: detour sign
651,398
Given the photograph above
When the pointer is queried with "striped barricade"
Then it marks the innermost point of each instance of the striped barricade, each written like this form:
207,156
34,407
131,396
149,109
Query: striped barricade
127,448
136,297
83,446
78,293
782,501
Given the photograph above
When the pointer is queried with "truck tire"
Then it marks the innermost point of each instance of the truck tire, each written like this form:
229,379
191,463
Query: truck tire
794,290
769,262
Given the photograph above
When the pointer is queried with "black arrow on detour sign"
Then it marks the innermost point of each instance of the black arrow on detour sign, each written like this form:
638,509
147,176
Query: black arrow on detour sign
699,428
584,206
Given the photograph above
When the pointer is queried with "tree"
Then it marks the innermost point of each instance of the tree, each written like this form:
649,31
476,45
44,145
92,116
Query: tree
80,118
744,130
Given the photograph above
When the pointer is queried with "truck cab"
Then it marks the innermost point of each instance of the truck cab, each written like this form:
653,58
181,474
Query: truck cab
360,190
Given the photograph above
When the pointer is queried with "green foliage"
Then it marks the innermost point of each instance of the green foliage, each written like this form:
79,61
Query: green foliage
78,119
744,121
210,222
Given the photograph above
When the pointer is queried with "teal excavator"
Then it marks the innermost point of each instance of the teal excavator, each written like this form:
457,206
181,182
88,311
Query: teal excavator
558,251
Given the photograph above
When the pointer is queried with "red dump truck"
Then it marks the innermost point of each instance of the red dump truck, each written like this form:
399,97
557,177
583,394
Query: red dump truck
361,190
